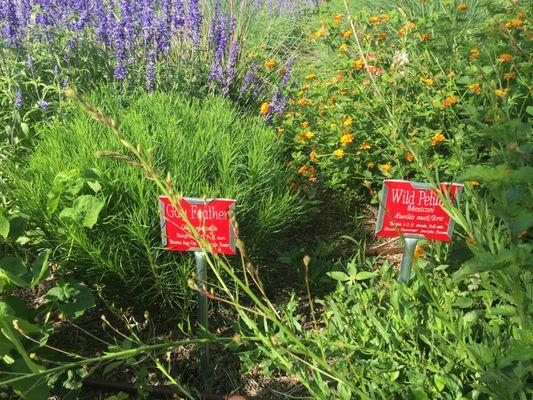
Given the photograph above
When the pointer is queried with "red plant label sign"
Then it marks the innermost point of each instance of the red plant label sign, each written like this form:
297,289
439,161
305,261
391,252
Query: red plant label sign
208,216
415,210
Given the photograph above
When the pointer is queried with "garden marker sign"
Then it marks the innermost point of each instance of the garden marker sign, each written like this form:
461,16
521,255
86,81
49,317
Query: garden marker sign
414,210
208,216
210,219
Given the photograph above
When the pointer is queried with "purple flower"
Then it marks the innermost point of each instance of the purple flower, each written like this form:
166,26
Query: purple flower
230,72
178,15
279,99
44,105
193,22
147,19
251,79
30,62
150,72
18,99
11,24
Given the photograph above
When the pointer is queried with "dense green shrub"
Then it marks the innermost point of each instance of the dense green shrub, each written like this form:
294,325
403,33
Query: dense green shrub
209,149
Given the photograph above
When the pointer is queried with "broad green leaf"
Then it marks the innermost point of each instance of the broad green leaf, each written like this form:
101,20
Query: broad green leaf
440,382
95,186
25,128
506,310
463,302
419,393
69,182
363,275
7,316
53,202
31,388
12,270
17,226
4,225
40,268
338,276
72,298
483,262
85,210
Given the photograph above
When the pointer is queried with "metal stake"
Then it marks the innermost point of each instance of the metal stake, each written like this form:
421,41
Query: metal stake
407,259
201,274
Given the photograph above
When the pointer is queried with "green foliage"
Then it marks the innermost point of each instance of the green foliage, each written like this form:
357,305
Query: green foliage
405,86
101,213
25,331
456,331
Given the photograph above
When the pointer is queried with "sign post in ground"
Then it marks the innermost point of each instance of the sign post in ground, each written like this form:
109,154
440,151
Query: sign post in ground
414,211
208,217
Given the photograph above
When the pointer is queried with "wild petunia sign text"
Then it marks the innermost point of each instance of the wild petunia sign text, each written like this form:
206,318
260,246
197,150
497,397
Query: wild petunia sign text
208,216
415,210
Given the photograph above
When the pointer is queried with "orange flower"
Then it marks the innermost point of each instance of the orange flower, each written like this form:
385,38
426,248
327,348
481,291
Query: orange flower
374,20
312,156
521,15
303,169
505,57
346,139
427,81
365,146
339,153
320,32
402,32
426,36
332,99
437,138
449,101
419,252
304,124
337,18
474,53
517,23
382,35
306,135
385,167
410,25
346,34
409,156
311,173
265,107
343,47
270,63
473,183
474,87
509,75
310,76
463,6
502,93
304,101
371,164
347,122
358,64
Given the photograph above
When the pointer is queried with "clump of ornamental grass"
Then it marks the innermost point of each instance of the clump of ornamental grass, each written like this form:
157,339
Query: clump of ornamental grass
101,215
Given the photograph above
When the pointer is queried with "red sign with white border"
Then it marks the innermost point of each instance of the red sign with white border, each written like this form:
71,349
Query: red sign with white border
208,216
415,210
